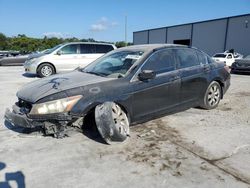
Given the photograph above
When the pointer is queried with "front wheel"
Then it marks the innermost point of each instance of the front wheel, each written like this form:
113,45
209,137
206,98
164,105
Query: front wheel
45,70
212,96
112,122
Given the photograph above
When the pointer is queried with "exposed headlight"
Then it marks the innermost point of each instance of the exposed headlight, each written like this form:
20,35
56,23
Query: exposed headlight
56,106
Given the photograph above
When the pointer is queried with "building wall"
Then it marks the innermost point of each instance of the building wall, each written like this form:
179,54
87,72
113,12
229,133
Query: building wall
238,36
140,37
157,36
179,33
210,36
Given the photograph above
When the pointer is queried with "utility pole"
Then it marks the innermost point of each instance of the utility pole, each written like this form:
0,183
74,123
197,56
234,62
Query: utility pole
126,30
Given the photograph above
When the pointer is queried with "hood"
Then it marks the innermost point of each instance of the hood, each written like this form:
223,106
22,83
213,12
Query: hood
36,55
41,88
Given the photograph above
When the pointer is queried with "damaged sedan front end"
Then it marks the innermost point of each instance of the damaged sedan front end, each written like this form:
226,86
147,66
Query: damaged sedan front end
52,116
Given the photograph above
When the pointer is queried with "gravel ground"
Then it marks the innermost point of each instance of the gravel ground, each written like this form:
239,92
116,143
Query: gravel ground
193,148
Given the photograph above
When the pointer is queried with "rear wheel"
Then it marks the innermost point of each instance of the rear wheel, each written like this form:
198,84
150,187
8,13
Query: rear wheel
45,70
212,96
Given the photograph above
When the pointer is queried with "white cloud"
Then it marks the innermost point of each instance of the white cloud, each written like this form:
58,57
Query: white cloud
56,34
98,27
102,24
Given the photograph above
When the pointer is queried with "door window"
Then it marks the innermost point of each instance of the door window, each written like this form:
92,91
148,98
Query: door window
186,58
87,49
69,49
101,48
161,61
202,58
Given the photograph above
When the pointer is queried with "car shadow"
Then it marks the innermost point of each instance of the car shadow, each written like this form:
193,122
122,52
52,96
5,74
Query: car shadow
6,178
28,75
93,134
89,129
19,129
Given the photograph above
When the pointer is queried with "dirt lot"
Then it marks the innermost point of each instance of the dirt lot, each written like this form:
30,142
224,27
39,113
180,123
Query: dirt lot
194,148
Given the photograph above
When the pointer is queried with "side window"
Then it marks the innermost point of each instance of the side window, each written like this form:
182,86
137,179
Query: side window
161,61
209,60
102,49
186,57
202,58
69,49
87,49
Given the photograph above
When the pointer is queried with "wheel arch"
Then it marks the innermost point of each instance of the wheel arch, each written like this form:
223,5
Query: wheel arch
45,63
91,108
221,85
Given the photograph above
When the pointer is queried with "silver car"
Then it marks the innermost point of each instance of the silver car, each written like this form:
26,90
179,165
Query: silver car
65,57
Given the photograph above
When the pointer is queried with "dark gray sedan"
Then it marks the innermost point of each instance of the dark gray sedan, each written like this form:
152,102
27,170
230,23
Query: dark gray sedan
241,65
126,86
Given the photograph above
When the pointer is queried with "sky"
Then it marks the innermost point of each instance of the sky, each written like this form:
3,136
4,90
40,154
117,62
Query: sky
105,19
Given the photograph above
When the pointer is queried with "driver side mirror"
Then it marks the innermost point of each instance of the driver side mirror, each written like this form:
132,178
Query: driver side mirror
146,75
59,52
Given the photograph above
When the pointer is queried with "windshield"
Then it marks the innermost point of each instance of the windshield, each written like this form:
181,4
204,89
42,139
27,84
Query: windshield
114,64
48,51
220,55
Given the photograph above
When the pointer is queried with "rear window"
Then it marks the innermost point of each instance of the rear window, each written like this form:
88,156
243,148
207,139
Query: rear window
101,48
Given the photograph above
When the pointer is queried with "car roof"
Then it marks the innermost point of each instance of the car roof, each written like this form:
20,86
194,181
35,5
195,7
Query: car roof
101,43
150,47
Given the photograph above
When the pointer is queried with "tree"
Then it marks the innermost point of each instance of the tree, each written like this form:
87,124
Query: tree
26,44
120,44
3,42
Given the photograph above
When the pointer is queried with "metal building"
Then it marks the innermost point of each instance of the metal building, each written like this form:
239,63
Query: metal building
212,36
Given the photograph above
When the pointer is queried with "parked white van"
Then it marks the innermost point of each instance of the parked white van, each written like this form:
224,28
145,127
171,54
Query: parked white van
65,57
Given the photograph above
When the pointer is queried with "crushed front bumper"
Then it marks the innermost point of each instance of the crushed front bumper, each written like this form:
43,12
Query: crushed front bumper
52,124
18,118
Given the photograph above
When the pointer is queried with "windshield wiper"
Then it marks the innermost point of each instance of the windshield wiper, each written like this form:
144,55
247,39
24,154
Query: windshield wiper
96,73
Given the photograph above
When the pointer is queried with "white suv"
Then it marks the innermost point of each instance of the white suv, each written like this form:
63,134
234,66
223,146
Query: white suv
65,57
227,58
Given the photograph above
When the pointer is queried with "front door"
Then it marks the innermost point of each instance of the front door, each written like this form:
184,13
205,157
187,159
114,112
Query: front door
159,93
67,58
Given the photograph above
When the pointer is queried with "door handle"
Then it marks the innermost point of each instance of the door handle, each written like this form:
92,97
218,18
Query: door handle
174,78
206,68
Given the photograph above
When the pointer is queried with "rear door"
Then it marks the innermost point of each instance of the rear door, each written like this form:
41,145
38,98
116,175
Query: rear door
193,79
160,93
67,59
